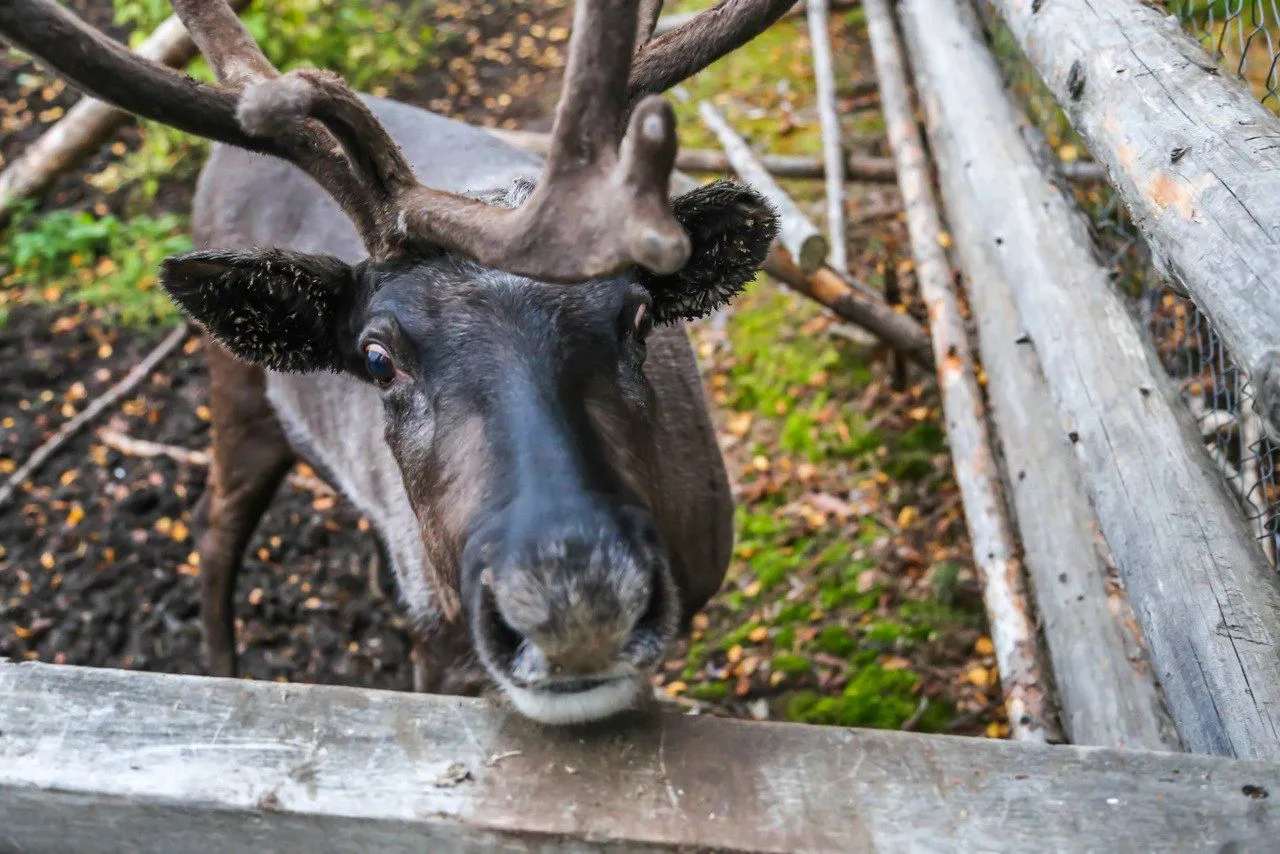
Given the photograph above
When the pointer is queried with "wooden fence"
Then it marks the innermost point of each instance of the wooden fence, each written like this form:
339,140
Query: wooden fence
96,760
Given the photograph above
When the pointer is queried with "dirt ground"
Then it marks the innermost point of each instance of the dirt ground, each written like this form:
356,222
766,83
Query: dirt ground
96,555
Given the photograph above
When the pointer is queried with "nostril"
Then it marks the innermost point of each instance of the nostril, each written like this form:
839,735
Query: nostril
504,640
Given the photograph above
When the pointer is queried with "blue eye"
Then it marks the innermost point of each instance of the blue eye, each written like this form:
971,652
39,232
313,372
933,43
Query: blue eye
379,364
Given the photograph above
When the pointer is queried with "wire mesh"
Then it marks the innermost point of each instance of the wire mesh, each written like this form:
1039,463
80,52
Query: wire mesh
1243,37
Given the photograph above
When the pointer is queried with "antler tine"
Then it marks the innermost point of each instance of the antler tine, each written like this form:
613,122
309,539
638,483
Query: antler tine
596,208
686,50
275,105
650,11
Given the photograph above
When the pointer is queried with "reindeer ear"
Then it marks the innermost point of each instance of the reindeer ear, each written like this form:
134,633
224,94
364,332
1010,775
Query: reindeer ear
730,228
271,308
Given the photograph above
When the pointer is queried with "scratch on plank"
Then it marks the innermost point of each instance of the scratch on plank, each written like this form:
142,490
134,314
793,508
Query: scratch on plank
662,768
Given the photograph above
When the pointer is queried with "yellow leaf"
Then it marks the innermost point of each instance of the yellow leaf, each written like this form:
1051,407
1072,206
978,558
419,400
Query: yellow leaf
74,515
944,240
894,662
753,589
735,653
46,560
758,635
979,676
1069,153
676,687
984,646
760,463
907,515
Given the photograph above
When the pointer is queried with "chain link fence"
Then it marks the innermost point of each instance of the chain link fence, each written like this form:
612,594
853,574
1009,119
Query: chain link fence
1243,36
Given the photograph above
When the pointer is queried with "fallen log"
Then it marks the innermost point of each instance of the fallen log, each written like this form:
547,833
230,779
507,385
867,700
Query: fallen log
87,125
1191,151
859,168
824,74
1204,594
995,547
807,245
1105,683
898,331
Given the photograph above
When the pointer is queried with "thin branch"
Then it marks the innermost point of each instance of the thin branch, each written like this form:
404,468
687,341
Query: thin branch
132,447
95,408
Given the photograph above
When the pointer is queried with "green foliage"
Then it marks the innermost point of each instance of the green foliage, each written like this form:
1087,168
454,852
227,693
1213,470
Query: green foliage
104,261
790,663
370,44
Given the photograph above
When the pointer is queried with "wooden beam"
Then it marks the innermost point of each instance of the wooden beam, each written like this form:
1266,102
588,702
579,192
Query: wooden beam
897,331
1208,602
824,74
1191,151
858,167
96,761
1105,684
797,233
995,547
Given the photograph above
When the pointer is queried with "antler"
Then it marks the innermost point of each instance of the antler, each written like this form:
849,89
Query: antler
599,205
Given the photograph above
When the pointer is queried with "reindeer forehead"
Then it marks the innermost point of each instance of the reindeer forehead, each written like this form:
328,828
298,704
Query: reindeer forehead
457,292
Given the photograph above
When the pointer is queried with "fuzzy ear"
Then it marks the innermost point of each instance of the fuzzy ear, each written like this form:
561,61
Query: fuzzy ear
730,228
271,308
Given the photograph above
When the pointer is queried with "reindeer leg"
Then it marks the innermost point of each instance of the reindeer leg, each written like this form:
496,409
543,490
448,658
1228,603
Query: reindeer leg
251,456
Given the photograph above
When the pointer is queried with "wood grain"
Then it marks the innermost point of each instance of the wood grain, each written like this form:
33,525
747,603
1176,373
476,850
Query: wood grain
995,548
1106,687
96,761
1205,596
1191,151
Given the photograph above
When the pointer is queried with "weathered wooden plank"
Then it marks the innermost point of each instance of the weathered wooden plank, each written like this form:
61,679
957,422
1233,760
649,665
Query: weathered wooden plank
1105,684
102,761
1208,603
1192,152
995,548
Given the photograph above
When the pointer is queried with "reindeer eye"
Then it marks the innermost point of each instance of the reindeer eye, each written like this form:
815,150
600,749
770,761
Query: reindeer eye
643,323
379,364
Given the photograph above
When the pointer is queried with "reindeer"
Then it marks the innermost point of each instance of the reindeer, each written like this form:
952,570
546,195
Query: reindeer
492,366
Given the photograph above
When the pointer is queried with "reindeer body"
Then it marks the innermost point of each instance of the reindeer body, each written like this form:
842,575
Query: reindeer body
493,368
335,422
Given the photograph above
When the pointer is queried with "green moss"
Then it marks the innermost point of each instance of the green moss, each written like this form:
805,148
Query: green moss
924,436
785,638
835,640
875,697
793,612
790,663
708,691
884,633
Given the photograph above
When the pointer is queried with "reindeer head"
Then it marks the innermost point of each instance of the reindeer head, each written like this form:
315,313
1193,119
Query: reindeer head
506,334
